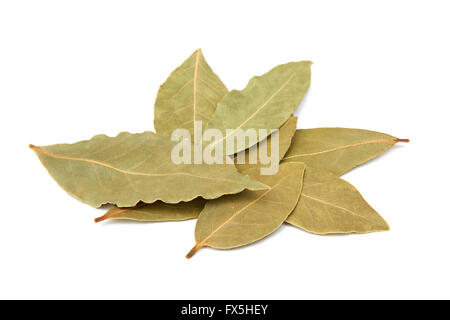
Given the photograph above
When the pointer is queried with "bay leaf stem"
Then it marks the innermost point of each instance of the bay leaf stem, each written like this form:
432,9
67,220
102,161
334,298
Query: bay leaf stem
102,218
193,251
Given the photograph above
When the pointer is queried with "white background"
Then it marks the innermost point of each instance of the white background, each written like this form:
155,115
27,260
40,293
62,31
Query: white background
73,69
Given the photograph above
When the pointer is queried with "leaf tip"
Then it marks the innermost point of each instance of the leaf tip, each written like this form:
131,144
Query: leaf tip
384,226
198,51
32,146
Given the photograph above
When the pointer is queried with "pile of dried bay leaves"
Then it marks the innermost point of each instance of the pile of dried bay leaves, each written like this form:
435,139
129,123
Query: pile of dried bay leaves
234,204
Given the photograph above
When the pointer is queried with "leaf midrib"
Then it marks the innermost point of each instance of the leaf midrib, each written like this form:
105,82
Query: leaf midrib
202,243
195,79
341,148
56,156
335,206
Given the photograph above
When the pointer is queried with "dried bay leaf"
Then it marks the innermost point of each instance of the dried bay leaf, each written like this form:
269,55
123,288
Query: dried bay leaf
338,150
329,204
130,168
191,93
158,211
237,220
266,103
285,135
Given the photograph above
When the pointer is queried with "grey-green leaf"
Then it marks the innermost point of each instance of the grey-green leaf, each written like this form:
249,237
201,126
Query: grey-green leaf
329,204
191,93
338,150
130,168
237,220
285,135
158,211
266,103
